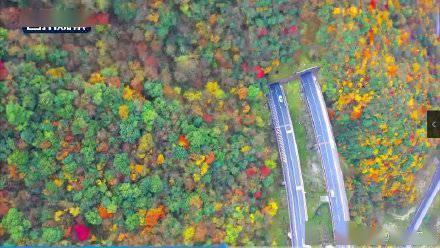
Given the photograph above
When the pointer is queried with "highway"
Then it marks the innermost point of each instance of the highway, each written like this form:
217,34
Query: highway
426,202
329,156
288,151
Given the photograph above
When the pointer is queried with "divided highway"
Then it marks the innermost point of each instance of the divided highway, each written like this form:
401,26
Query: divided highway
288,151
329,156
426,202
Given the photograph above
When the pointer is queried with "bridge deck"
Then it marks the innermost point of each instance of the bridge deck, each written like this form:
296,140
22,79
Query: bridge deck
288,151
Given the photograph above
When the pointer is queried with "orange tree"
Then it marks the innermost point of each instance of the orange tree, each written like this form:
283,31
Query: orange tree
378,77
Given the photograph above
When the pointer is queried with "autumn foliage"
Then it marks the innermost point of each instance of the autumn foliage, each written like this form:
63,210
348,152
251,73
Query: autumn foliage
153,129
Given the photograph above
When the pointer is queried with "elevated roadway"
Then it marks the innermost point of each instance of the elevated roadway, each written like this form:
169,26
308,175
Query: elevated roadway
426,202
329,155
288,151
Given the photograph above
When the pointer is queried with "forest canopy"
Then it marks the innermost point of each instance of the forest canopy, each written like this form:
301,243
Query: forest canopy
154,128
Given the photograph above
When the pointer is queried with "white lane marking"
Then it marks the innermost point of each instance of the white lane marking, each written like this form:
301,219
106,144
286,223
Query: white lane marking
287,145
296,170
323,156
288,177
298,178
291,212
318,127
288,168
322,128
323,143
335,160
295,159
326,123
327,156
426,202
285,126
292,209
290,157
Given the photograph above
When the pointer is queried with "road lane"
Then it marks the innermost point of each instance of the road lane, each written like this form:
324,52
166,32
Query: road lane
281,108
329,156
426,202
287,178
292,155
290,162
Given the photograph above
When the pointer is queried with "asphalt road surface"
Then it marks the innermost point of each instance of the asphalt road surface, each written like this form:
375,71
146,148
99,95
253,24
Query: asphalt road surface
426,202
329,156
290,162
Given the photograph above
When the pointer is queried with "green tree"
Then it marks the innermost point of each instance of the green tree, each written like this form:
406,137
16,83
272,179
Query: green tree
156,184
93,217
153,89
167,20
15,224
46,100
52,234
3,34
46,165
19,158
125,10
148,115
199,137
17,115
152,184
78,124
129,130
129,191
58,57
132,222
121,163
253,91
96,93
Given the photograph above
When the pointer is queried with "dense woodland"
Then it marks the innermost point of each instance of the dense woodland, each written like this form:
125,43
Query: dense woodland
154,128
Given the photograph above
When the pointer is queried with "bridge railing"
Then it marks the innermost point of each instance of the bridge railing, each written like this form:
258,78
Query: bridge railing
307,77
